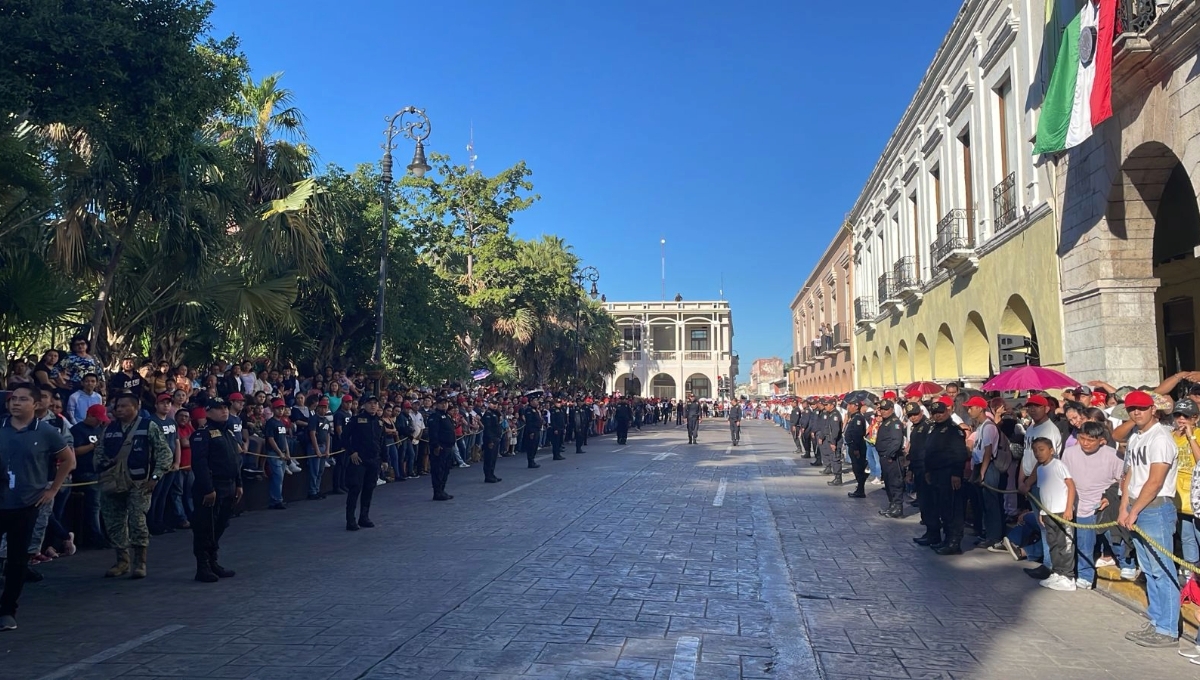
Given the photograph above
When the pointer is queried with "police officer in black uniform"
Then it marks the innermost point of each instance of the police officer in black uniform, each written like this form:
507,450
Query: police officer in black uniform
582,417
856,445
441,447
623,416
735,422
363,438
692,413
889,442
531,415
918,432
679,412
946,455
794,424
829,447
216,488
804,423
558,428
492,434
817,427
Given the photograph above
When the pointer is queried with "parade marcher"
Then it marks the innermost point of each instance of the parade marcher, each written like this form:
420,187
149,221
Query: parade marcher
216,488
364,440
691,413
29,449
441,448
623,417
918,432
583,423
558,428
856,445
889,442
735,422
829,439
132,460
946,455
492,436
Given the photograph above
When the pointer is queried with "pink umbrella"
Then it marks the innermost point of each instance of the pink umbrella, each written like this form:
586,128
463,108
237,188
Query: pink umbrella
1029,378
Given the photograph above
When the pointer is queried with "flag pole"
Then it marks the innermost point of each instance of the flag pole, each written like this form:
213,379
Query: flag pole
662,250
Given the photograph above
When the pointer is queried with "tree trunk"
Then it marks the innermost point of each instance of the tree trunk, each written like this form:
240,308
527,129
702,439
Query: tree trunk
98,307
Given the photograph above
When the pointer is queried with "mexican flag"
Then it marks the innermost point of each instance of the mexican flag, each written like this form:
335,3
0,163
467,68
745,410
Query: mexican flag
1080,94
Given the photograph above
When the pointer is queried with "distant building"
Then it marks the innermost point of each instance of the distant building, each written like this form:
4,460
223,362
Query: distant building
763,372
671,349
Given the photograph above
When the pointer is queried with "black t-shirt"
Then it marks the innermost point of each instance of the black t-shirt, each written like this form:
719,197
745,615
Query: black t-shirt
275,430
119,382
82,435
319,424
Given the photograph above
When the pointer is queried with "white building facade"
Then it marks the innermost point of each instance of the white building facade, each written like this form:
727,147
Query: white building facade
672,349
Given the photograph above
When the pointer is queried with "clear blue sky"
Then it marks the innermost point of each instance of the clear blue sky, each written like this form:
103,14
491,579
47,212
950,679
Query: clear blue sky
740,133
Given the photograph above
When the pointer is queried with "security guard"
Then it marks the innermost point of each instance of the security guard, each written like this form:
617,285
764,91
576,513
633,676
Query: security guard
363,438
558,428
819,416
582,416
441,447
531,416
946,454
804,423
918,433
623,416
492,434
692,412
889,442
216,488
794,424
735,422
829,444
856,444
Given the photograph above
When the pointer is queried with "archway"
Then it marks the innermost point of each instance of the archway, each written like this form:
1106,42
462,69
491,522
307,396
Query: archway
662,386
1176,236
699,385
889,368
922,366
864,373
945,357
904,373
876,371
976,355
1018,320
626,383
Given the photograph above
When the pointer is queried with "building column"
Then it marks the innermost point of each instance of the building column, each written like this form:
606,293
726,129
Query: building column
1111,333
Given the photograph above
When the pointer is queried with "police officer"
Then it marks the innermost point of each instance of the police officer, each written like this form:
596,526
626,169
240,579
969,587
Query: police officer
216,488
829,444
623,416
816,428
735,422
441,447
804,423
558,428
531,416
492,434
363,438
946,455
794,424
856,444
918,433
889,442
692,412
582,415
678,412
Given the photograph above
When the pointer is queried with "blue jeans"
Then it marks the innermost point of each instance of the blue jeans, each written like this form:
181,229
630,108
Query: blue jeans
182,501
1162,585
408,454
393,458
275,463
90,534
1022,534
873,461
316,470
1085,550
1189,537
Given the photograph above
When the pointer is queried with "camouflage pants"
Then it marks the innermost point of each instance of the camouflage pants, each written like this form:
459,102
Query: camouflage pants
124,516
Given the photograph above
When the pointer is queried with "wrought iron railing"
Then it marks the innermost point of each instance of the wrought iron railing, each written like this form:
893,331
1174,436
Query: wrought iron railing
953,233
904,273
886,289
1004,202
1135,16
864,309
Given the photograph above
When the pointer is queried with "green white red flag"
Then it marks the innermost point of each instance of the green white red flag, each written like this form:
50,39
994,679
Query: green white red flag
1080,94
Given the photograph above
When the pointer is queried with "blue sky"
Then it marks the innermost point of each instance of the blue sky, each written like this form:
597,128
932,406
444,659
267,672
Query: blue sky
741,136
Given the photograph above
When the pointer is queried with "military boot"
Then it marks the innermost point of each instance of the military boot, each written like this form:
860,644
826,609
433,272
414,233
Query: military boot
204,572
216,568
836,481
139,562
121,567
827,470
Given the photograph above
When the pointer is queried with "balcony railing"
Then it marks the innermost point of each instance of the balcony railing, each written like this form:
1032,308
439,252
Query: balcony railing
864,310
1135,16
840,337
886,289
1004,202
904,273
668,355
631,356
697,356
955,244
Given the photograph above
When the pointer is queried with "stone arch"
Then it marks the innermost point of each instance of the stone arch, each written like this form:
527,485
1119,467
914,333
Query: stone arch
620,382
904,372
922,363
699,385
976,353
1017,319
945,355
889,367
864,373
663,386
876,370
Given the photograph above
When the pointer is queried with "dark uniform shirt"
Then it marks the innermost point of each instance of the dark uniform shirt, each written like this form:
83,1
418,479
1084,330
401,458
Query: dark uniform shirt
215,456
735,413
889,440
623,414
492,431
441,428
855,433
805,420
364,436
946,447
917,438
832,430
692,410
558,419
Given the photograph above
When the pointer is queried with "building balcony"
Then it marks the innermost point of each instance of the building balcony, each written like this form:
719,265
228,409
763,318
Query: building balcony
841,339
1136,16
631,356
889,296
1004,203
697,355
669,355
864,313
954,248
906,277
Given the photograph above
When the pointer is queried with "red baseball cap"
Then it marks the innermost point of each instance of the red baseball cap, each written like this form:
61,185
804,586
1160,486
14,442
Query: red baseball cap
889,395
322,402
1139,399
946,400
98,412
199,414
278,402
1037,400
977,401
236,396
348,397
164,397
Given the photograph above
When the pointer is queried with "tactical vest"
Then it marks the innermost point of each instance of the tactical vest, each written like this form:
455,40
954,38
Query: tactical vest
139,453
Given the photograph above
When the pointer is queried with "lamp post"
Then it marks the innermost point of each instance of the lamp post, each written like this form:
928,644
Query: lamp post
416,129
587,274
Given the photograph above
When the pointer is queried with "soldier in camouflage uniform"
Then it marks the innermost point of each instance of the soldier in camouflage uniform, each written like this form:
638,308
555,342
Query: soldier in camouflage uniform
133,457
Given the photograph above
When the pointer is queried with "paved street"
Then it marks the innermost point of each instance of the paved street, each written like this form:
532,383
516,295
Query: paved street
661,560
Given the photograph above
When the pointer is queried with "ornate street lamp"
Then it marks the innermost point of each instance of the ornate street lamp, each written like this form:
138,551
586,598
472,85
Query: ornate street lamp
416,129
587,274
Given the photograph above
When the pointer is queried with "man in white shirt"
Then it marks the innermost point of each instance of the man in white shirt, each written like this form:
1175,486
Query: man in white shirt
1147,491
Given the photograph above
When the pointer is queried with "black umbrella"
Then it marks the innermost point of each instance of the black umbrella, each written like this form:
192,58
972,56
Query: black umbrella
862,396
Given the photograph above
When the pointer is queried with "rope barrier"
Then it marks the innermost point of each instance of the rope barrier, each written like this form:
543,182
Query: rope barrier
1099,527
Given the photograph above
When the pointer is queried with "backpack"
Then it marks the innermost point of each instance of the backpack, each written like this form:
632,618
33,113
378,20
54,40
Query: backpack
1006,451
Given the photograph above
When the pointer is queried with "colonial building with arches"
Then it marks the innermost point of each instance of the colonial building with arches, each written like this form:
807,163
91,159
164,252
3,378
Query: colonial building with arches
955,249
1131,225
674,348
823,326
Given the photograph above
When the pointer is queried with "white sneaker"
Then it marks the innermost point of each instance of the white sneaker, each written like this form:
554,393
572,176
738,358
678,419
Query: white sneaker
287,469
1131,574
296,467
877,482
1192,652
380,482
1063,583
1106,561
1046,582
465,465
1081,584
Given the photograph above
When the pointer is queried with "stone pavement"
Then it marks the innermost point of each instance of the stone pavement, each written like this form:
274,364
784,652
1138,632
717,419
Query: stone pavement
658,560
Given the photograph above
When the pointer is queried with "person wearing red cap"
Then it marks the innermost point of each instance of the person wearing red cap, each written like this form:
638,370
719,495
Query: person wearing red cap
990,525
86,435
1043,427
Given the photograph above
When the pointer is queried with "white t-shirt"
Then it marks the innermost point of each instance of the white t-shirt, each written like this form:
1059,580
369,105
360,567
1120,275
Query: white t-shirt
1145,449
987,435
1052,486
1046,430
